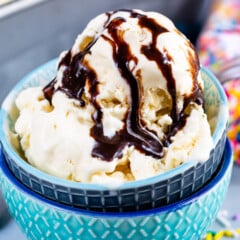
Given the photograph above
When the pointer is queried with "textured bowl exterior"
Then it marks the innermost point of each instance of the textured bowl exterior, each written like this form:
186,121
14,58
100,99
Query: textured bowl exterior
133,196
187,219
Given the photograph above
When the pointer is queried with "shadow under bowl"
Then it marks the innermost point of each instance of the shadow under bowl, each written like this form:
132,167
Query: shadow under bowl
153,192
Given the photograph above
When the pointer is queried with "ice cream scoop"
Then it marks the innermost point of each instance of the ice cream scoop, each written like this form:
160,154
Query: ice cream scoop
126,104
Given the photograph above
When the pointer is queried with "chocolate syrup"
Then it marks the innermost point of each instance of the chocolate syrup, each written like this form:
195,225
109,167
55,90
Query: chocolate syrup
77,73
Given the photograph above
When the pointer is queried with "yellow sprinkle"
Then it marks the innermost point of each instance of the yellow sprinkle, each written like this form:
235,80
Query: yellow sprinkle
219,235
228,233
224,233
209,236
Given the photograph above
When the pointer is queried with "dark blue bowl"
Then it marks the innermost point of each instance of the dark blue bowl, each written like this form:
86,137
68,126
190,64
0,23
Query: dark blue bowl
41,218
153,192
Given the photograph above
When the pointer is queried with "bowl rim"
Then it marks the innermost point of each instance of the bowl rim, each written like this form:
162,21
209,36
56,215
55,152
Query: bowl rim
226,166
224,111
220,128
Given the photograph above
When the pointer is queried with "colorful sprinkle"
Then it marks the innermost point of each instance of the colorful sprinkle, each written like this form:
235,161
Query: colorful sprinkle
236,217
226,233
232,89
218,46
222,219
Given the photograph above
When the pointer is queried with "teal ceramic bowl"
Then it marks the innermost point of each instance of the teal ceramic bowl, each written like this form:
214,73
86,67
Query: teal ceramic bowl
153,192
188,219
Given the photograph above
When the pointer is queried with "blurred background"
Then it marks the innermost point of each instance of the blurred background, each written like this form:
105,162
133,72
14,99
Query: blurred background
35,31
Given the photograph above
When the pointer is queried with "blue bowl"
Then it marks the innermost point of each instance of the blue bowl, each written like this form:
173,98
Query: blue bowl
149,193
41,218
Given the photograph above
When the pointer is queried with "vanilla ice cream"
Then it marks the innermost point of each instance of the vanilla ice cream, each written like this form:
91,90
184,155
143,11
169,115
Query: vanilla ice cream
126,104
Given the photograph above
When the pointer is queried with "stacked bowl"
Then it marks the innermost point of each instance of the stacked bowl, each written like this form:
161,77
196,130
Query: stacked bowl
172,205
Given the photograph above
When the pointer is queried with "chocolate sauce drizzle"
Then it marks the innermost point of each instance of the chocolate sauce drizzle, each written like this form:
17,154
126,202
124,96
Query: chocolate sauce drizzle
77,73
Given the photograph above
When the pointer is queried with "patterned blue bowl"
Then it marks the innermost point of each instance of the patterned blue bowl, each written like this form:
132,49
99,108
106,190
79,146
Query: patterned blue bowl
188,219
133,196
